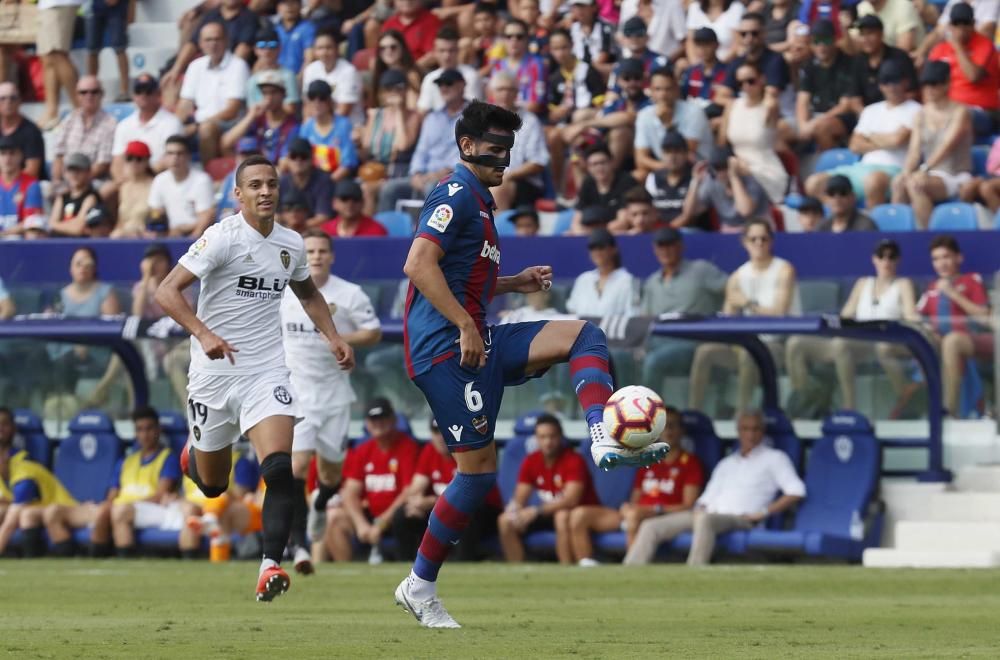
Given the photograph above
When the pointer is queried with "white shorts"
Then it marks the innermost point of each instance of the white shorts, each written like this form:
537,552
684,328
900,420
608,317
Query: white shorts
149,515
220,408
952,182
324,433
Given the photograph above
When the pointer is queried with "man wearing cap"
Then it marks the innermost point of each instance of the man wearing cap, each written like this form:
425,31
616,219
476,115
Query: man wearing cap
376,474
21,130
77,210
669,185
446,55
844,214
296,35
303,177
522,183
984,16
701,80
635,47
268,121
213,91
810,214
350,221
343,79
975,67
881,136
20,194
724,185
666,24
902,24
150,124
668,113
180,194
266,50
88,130
593,39
329,134
827,104
868,63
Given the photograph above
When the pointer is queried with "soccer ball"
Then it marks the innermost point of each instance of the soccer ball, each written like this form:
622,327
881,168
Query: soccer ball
634,416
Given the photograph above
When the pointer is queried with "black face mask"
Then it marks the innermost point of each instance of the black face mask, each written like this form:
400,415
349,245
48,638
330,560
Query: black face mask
486,160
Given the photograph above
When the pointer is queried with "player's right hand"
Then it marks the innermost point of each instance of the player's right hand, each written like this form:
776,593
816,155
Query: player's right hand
216,347
473,350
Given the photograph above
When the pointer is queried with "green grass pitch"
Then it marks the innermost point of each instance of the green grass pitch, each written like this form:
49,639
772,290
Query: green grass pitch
170,609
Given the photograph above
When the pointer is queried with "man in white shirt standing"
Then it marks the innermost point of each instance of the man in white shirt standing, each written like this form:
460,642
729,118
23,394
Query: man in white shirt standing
325,393
239,383
446,54
740,494
213,91
181,202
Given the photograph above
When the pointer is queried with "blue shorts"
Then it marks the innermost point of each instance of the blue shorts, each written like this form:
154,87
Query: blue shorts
107,26
465,402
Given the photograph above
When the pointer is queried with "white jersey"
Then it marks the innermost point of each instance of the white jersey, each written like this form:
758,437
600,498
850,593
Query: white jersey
320,383
243,275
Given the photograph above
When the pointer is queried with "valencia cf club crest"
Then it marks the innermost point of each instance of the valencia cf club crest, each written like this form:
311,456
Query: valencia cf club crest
282,395
480,424
286,258
197,432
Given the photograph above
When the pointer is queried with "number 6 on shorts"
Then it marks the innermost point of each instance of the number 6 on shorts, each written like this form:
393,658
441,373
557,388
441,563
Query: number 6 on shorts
473,399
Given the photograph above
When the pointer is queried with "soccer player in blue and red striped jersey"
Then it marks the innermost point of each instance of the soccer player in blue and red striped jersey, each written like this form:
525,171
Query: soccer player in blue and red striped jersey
462,364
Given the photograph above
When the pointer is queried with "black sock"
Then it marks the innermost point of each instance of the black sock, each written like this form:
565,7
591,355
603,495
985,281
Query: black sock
279,503
32,542
125,552
207,491
100,550
300,510
324,493
63,549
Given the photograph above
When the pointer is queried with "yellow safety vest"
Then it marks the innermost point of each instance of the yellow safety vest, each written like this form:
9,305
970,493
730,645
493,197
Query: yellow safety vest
137,481
51,491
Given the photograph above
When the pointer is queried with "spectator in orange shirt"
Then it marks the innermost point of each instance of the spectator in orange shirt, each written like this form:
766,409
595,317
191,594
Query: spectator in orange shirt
975,72
418,26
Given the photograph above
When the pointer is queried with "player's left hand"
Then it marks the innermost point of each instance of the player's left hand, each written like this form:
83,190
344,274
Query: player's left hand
532,279
343,352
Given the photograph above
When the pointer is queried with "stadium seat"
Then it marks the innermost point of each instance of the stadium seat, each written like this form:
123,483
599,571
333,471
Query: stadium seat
781,435
36,443
707,446
613,486
832,158
513,454
173,426
119,110
894,217
819,296
397,223
841,481
504,226
980,153
563,222
219,168
87,458
954,216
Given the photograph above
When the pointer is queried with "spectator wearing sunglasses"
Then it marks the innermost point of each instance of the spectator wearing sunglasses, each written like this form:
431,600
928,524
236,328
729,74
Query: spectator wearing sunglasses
303,178
903,26
755,51
150,124
343,79
528,69
843,206
975,68
266,51
295,34
88,130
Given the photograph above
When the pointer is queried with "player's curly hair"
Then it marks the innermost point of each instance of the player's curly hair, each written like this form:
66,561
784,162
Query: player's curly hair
479,117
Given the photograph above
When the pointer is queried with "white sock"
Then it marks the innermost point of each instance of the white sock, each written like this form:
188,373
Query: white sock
420,588
266,564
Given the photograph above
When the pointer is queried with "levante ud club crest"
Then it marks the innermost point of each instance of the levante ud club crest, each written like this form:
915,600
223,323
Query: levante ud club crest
480,424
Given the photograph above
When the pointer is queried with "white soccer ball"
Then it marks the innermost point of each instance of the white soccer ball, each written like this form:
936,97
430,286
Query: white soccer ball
634,416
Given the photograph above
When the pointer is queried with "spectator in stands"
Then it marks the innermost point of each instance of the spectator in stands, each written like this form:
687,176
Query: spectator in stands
635,45
975,67
639,215
688,287
755,51
881,136
446,56
88,130
133,192
939,158
393,55
266,64
56,20
150,124
778,16
21,130
903,25
593,38
986,190
723,17
418,25
843,205
20,194
303,178
484,46
434,471
604,186
700,81
530,12
525,221
78,211
527,68
667,112
329,134
724,185
344,80
884,297
107,22
609,289
763,286
181,198
669,186
143,487
874,52
268,121
376,475
7,306
956,306
522,181
296,35
811,214
29,488
293,212
666,21
984,15
562,481
349,220
827,104
742,492
666,487
213,91
86,296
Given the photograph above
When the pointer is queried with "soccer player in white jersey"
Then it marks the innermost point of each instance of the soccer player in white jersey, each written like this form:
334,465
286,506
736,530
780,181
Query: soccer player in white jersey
238,381
324,391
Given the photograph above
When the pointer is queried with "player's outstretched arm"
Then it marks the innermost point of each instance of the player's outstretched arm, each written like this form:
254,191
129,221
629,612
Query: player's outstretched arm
319,313
170,296
529,280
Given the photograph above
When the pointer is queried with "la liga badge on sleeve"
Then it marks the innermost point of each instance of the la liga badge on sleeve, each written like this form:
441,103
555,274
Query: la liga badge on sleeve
440,217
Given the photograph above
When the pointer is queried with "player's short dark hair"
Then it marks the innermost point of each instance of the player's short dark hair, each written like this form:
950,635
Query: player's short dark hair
637,195
447,33
597,148
755,16
316,232
251,161
552,420
479,117
945,241
181,140
146,412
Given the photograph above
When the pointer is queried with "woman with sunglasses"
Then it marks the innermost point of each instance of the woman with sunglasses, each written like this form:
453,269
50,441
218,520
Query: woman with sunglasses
133,193
394,54
884,297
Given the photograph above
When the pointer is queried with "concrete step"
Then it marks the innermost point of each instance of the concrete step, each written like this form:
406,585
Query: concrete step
893,558
960,507
980,478
919,535
154,35
162,11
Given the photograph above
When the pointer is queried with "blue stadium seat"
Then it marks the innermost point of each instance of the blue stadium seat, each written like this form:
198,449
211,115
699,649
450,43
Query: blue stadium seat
894,217
614,486
174,428
36,443
954,216
119,110
980,153
563,222
707,446
86,459
504,226
832,158
819,296
514,451
397,223
996,220
841,481
781,435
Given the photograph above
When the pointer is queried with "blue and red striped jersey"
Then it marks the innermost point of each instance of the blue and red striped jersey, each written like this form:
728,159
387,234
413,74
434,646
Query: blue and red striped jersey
458,216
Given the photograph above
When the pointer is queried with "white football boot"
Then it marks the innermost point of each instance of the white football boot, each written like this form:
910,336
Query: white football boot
429,613
608,454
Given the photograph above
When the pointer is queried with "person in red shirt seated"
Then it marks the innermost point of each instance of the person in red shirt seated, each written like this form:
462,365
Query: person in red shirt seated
671,485
350,221
419,27
435,470
957,308
560,478
975,68
376,474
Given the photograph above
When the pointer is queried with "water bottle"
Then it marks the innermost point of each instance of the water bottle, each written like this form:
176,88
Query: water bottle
219,548
857,530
